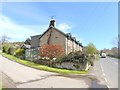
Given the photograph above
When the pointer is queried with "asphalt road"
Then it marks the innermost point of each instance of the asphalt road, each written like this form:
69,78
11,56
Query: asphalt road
109,68
26,77
106,72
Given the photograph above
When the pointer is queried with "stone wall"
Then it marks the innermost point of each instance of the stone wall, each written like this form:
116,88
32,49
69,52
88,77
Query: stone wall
73,66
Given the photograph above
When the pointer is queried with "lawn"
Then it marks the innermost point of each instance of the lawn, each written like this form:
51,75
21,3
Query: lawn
42,67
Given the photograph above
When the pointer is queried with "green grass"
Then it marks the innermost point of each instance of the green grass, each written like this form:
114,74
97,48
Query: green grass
42,67
114,57
97,57
0,85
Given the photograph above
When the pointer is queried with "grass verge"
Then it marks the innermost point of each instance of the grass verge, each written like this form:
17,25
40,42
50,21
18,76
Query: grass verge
97,57
42,67
114,57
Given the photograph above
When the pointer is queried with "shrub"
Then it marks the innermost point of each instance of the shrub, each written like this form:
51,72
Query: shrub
72,57
51,51
77,57
11,50
5,48
20,53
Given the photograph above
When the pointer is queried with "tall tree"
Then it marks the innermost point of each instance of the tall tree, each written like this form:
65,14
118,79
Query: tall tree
91,49
4,38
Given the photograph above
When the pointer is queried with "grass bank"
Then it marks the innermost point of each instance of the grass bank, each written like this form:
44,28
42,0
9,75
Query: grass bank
42,67
97,57
114,57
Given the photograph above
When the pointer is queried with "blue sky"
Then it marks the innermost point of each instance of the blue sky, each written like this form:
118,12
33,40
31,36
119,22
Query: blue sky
95,22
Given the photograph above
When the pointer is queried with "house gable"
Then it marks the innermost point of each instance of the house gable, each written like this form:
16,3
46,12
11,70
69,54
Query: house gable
35,41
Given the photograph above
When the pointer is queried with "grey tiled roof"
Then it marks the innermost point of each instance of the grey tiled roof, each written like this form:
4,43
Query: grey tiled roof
66,35
25,46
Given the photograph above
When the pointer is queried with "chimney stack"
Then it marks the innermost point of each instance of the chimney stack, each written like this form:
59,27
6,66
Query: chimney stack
52,23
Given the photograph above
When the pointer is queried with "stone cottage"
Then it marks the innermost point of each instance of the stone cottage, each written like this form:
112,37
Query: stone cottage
55,36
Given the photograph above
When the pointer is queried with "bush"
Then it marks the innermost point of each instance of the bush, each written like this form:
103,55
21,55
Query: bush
5,48
77,57
51,51
11,51
20,53
73,57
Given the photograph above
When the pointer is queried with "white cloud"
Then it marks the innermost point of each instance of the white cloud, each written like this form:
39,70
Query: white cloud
64,27
19,32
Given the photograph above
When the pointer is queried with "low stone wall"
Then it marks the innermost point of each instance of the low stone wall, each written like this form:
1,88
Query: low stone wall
65,65
73,66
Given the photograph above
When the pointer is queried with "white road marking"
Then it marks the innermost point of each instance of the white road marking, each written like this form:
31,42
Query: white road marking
103,74
108,86
105,79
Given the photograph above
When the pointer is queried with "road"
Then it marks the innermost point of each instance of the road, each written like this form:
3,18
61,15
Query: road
26,77
106,71
110,71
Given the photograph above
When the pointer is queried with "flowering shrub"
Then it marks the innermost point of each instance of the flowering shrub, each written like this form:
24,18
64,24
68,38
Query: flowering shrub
51,51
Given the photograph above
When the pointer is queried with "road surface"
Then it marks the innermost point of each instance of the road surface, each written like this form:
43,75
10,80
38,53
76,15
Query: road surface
26,77
106,71
110,71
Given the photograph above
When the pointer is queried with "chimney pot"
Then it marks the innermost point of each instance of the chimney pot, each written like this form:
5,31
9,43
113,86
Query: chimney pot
52,23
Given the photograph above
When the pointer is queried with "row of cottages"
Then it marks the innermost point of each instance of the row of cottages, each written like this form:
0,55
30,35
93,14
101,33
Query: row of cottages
54,36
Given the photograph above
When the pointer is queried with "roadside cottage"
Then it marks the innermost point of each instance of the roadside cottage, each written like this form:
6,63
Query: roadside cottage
53,36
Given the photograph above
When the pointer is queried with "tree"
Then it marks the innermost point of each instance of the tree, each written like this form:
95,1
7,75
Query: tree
116,49
51,51
91,49
4,38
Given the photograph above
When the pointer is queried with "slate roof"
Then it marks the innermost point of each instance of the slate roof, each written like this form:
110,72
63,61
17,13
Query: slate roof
26,46
66,35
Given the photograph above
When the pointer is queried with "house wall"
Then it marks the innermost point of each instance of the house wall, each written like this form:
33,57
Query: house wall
72,46
44,38
35,41
56,38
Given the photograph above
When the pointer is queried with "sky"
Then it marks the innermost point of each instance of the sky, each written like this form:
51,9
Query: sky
95,22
